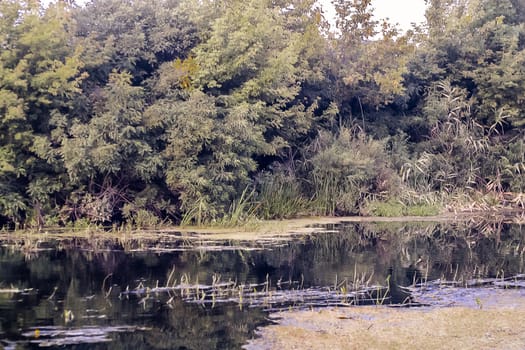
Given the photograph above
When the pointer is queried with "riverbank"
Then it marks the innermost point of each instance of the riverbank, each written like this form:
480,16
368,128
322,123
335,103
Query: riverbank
256,230
492,321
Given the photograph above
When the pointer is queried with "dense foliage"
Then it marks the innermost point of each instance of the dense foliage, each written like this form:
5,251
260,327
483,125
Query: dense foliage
146,111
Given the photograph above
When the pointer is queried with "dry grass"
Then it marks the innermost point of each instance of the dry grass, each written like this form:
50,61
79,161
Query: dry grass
254,231
492,327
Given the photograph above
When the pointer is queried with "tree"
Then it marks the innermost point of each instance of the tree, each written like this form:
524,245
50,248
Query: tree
498,74
478,46
247,105
468,72
40,73
371,58
111,148
110,153
136,36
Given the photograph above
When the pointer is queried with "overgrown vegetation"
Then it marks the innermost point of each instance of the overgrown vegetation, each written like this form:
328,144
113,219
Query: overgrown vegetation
146,112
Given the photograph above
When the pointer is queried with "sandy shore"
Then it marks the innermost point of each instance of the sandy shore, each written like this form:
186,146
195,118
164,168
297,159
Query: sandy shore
496,322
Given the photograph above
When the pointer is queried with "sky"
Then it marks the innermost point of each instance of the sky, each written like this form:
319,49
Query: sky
403,12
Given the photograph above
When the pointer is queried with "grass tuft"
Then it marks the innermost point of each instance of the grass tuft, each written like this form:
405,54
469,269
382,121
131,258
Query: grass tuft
394,208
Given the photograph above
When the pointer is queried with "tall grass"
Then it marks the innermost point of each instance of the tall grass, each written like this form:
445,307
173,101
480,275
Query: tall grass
242,210
195,215
346,168
280,197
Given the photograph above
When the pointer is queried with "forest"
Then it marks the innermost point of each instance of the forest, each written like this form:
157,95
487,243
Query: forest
149,112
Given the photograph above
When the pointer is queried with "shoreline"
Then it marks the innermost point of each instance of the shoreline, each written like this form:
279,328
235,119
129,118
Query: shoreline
253,231
495,321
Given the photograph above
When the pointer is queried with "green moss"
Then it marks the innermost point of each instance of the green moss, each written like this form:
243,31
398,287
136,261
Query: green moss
388,209
422,210
394,208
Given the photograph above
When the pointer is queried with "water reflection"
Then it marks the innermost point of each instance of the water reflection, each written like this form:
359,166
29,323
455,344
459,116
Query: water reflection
176,294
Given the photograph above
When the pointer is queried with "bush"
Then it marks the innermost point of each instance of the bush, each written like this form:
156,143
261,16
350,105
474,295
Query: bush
344,169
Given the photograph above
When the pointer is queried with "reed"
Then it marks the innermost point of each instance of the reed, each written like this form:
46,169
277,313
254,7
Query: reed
242,210
194,215
280,197
269,295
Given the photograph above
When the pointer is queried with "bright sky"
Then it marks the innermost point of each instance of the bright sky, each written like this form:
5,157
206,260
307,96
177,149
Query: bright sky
403,12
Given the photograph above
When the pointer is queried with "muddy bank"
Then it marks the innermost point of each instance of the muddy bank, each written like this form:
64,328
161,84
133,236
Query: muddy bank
491,320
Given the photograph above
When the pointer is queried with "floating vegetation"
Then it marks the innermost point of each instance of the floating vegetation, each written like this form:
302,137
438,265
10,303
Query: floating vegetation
469,293
15,290
271,296
50,336
159,242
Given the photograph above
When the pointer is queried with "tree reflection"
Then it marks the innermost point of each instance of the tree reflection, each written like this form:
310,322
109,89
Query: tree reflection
99,283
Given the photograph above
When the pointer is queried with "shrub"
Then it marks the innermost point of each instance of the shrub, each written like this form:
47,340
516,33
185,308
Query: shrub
346,168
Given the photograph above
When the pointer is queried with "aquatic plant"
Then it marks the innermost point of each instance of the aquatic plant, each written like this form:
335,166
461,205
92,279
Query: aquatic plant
269,295
279,196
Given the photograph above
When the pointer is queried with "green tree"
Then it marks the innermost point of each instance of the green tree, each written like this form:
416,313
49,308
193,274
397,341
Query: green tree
111,143
478,46
40,73
467,80
248,105
109,157
499,76
134,36
371,58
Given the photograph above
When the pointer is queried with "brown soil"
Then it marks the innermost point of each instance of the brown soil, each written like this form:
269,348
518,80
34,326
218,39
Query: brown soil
498,324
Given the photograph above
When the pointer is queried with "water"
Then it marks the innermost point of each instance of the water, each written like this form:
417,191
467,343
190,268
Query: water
173,293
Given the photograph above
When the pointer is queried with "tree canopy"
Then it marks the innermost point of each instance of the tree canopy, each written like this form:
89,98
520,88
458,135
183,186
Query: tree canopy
141,112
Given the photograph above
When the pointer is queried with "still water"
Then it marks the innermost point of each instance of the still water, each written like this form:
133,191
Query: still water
185,293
